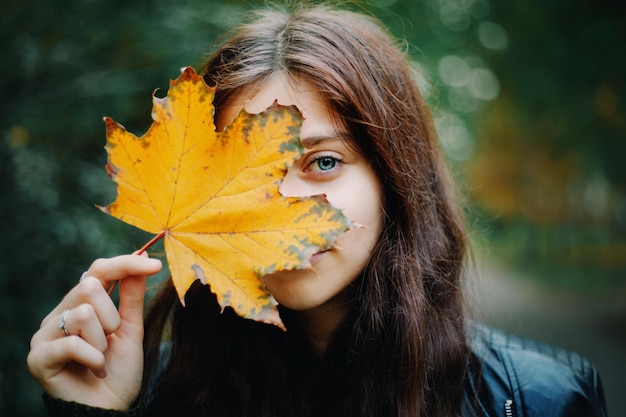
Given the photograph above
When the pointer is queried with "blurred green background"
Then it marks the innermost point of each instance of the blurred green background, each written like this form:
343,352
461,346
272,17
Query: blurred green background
529,102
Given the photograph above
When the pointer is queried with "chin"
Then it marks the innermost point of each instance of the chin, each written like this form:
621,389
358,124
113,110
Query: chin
297,306
297,302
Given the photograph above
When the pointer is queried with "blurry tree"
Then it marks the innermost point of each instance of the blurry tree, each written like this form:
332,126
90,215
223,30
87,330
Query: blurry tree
549,160
531,110
64,66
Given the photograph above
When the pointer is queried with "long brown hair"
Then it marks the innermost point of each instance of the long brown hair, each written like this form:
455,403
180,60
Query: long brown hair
402,351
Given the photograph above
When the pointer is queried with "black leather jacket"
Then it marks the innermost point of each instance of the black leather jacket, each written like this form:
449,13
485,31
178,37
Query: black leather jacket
507,377
514,377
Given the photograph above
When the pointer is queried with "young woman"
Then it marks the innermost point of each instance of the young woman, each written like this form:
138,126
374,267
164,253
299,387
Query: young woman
376,328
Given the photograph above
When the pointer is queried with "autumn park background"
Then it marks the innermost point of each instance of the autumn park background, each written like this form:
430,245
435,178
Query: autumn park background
529,99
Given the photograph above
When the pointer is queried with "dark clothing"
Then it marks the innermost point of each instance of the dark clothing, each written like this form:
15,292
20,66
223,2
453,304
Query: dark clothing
507,377
522,378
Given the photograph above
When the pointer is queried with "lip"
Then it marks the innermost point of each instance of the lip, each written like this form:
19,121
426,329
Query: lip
317,255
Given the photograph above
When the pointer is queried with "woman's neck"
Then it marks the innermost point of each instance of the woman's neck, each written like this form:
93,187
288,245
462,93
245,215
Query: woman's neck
320,324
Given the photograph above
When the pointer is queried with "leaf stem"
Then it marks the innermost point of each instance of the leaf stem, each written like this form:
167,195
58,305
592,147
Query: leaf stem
139,252
151,242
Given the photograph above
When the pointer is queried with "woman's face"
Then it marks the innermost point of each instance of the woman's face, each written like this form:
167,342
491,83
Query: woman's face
330,166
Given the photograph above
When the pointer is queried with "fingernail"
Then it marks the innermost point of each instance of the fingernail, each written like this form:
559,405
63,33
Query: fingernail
103,373
153,262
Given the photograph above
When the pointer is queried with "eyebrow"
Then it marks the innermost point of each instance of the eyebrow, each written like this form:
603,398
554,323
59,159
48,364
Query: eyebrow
312,141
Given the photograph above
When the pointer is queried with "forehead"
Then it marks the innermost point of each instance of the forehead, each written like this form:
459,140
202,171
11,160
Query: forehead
287,92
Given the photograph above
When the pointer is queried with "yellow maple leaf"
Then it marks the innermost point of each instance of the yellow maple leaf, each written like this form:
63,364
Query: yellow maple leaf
214,198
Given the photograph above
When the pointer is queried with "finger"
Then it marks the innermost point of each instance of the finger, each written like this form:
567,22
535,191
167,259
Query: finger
132,294
89,291
85,323
106,270
49,358
81,321
120,267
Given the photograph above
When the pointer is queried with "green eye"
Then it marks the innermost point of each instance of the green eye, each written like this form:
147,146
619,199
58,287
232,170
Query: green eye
326,163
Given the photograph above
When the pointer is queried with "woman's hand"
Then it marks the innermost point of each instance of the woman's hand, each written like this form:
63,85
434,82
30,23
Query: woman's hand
98,360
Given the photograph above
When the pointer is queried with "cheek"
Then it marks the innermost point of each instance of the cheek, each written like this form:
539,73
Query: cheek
360,202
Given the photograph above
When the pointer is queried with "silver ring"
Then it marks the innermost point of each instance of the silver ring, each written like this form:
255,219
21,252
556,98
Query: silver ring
82,277
62,323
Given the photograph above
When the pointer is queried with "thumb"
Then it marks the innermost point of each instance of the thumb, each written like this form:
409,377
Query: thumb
132,294
133,290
